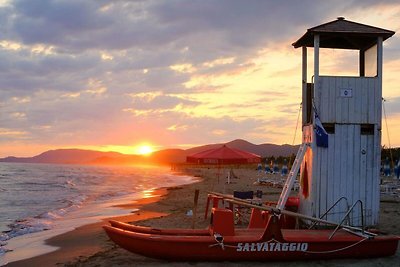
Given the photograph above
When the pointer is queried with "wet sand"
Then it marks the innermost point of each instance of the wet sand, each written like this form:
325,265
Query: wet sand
89,246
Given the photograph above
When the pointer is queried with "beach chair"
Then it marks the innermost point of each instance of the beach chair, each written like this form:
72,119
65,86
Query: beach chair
242,213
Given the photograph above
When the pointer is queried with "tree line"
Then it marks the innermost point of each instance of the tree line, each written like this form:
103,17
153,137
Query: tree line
386,153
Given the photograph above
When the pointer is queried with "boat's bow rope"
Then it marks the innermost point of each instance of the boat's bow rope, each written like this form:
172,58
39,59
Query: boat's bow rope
220,242
339,249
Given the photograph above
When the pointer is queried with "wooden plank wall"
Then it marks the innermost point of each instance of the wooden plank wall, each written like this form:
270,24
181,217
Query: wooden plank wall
346,171
363,107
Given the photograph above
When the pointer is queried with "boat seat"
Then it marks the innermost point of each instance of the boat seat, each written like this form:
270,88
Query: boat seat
215,203
222,222
258,218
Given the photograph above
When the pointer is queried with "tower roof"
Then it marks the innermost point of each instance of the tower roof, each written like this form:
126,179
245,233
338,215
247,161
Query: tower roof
343,34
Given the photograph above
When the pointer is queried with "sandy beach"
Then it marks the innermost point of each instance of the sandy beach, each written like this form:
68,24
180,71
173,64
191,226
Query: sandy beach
167,207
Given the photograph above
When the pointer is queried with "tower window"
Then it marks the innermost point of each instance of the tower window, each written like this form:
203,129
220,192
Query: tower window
367,129
329,127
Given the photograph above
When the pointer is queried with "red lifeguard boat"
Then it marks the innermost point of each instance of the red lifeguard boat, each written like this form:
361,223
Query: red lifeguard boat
265,240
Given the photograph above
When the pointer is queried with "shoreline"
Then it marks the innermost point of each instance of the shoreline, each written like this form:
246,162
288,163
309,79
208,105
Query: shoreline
89,246
87,240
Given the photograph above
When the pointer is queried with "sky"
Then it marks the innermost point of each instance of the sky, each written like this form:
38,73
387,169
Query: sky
117,75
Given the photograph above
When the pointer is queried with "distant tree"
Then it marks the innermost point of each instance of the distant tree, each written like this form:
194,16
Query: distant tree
279,159
270,159
389,153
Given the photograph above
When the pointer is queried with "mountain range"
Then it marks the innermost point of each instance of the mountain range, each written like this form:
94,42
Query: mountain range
166,156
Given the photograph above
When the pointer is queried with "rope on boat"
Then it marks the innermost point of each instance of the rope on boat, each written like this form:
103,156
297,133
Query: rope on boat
337,250
220,242
329,251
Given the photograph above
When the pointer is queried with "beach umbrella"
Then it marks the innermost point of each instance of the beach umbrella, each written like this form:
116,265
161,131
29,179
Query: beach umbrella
386,168
284,170
275,168
267,169
223,155
259,167
397,169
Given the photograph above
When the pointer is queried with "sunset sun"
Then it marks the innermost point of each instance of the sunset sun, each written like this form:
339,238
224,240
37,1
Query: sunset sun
144,150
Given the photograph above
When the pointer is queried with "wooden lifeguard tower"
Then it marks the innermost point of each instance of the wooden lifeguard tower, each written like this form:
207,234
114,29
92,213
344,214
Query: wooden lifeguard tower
346,172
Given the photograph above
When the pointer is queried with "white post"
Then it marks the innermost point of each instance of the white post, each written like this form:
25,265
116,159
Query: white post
304,65
316,63
377,143
314,183
304,85
379,88
379,57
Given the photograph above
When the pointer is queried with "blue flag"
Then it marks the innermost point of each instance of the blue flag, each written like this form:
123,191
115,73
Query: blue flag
320,133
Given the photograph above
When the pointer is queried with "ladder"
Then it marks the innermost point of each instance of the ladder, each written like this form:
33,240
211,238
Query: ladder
292,176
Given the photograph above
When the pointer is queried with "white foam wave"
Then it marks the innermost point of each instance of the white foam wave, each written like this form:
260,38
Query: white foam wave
42,222
111,195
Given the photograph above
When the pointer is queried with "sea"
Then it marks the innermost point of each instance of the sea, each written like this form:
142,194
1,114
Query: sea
37,198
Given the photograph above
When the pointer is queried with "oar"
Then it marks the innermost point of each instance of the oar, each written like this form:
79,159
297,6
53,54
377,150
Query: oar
196,200
247,203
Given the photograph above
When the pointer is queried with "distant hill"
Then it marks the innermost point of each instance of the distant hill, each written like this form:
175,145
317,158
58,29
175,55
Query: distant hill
166,156
169,156
67,156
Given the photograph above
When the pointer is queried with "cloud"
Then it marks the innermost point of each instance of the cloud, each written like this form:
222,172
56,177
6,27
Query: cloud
392,106
11,133
56,22
158,101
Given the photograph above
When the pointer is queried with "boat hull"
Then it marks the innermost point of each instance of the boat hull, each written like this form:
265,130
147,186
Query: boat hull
253,246
158,231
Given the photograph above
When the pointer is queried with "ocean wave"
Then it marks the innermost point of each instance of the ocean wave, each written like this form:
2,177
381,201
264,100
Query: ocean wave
111,195
39,186
23,227
3,250
41,222
39,183
45,221
4,175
